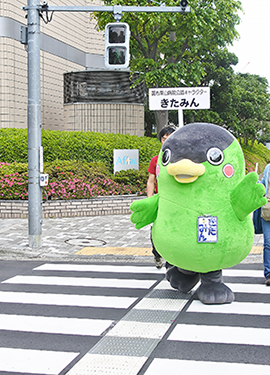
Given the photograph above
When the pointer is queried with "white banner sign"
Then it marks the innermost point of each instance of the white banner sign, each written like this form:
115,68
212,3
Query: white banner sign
179,98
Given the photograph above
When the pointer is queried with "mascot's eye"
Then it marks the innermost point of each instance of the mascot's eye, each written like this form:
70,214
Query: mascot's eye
215,156
166,157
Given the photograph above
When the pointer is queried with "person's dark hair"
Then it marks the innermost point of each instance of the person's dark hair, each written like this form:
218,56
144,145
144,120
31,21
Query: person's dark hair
167,130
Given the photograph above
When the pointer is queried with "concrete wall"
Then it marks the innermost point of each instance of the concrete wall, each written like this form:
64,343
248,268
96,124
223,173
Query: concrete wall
109,118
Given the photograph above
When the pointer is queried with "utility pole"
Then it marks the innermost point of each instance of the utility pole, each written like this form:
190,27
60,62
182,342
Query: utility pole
34,126
35,10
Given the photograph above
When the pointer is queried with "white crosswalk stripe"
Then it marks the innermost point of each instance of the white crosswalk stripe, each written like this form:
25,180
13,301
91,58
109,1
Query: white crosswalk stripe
99,268
250,288
66,300
242,273
44,324
249,308
218,334
161,366
34,361
81,281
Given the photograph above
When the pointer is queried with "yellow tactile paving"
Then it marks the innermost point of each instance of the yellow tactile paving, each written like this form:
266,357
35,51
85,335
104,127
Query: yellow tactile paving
140,251
256,250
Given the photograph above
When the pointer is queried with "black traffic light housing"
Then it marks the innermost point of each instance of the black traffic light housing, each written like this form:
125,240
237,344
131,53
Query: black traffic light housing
184,3
117,45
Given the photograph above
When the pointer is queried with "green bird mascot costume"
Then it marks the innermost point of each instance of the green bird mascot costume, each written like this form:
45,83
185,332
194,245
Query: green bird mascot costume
202,213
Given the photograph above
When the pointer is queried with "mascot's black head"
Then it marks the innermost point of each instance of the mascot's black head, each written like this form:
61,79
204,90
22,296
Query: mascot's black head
194,140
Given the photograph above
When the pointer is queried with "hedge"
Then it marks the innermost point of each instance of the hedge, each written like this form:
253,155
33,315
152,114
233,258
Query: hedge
72,180
95,151
83,146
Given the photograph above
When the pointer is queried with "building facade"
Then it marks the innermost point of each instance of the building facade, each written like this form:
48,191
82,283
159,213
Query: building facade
69,43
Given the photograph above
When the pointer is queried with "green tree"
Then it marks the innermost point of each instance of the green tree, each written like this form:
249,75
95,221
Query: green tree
219,75
239,102
166,61
251,106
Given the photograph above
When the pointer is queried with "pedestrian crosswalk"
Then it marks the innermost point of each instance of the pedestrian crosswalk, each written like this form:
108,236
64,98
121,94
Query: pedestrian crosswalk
53,314
76,319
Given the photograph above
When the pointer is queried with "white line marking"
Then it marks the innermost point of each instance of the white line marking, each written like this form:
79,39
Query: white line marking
34,361
249,288
242,273
249,308
43,324
99,268
220,334
66,300
81,281
174,366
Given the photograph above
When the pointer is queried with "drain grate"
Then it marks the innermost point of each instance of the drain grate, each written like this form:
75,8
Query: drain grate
91,242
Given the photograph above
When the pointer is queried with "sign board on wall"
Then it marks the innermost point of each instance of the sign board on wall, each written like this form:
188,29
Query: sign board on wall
179,98
125,159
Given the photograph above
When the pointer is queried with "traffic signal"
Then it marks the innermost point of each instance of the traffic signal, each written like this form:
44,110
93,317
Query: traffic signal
117,45
183,3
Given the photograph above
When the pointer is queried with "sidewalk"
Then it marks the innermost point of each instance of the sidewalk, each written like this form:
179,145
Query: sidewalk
95,238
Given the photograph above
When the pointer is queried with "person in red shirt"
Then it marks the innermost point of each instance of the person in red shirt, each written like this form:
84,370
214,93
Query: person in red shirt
152,187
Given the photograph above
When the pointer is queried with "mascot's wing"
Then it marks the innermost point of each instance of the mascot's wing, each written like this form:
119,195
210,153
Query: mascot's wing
247,196
144,211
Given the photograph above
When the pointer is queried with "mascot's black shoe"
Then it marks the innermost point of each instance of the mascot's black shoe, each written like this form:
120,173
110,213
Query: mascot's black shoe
182,280
212,290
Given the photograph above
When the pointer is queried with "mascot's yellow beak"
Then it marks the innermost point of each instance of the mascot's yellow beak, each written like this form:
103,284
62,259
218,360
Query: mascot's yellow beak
185,171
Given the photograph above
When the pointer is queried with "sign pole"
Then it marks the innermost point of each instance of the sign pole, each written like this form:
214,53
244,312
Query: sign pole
180,118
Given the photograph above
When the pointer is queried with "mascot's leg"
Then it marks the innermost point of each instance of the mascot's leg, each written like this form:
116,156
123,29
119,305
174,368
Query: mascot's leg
182,280
212,290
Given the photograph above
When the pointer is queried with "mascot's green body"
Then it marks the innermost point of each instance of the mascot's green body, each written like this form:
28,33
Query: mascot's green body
201,214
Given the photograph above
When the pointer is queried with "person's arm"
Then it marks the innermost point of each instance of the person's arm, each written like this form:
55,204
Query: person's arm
151,183
265,173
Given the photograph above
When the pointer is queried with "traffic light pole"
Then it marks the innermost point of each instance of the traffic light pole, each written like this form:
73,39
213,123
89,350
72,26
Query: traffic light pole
35,10
34,126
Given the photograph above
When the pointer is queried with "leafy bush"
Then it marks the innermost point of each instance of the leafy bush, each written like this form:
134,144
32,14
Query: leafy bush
9,168
75,188
71,180
13,185
137,178
257,153
13,145
82,146
61,168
